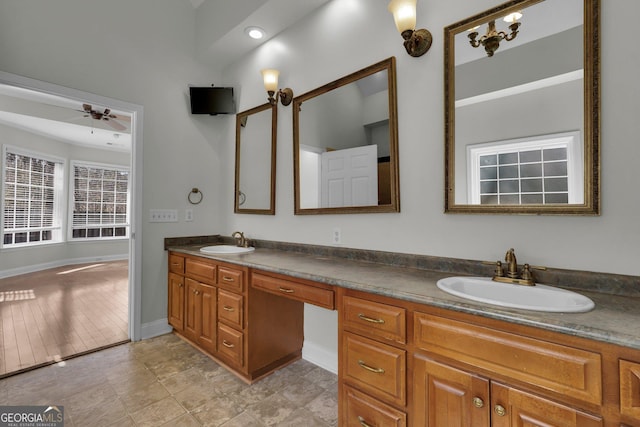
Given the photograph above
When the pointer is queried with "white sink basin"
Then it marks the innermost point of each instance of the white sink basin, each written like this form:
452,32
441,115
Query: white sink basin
538,297
225,249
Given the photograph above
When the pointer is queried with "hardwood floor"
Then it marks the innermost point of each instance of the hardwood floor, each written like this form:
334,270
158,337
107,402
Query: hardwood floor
53,314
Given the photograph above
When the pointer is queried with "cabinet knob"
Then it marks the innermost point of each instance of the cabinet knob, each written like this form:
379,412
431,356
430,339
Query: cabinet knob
362,422
197,292
180,285
500,410
478,402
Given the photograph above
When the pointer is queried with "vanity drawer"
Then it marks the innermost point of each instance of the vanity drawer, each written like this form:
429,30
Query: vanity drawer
521,358
378,369
176,264
230,278
230,344
630,389
375,319
361,410
231,308
202,269
295,290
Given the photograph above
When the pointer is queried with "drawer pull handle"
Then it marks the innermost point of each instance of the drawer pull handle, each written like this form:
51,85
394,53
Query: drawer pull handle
227,279
478,402
286,290
500,410
177,264
227,308
369,368
362,422
370,319
227,344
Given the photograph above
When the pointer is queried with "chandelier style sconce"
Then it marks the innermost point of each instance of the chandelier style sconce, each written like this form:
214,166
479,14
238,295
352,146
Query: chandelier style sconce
270,78
491,40
416,42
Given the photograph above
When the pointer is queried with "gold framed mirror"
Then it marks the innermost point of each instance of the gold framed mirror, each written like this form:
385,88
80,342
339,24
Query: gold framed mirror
522,109
345,144
255,184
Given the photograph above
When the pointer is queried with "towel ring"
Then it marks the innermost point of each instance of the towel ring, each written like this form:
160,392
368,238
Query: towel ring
194,200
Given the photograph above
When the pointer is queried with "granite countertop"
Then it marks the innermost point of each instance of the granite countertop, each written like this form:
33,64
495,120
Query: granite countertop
614,320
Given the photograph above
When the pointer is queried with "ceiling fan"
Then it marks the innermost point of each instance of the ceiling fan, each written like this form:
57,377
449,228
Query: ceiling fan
104,115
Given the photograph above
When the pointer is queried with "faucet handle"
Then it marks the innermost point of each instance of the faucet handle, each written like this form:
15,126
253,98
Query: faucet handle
499,271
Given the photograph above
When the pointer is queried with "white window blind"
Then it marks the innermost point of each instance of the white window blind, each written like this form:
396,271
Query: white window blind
31,198
100,205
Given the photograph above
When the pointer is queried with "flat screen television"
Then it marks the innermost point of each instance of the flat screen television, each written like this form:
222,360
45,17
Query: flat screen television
212,100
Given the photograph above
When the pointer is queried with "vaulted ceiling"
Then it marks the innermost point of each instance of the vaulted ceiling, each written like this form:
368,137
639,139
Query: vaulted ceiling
220,39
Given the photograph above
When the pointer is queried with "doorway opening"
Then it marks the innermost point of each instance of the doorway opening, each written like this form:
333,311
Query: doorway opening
67,256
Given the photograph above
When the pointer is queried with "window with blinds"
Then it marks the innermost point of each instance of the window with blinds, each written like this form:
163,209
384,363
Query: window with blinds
33,187
100,205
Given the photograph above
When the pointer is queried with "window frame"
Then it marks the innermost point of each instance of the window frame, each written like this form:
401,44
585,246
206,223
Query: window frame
571,140
58,216
70,212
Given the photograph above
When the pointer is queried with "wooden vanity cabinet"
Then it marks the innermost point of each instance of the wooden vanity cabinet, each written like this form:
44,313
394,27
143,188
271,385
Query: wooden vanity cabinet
200,313
210,304
175,311
446,396
373,361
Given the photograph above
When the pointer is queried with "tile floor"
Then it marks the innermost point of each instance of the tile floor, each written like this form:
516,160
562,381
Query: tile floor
166,382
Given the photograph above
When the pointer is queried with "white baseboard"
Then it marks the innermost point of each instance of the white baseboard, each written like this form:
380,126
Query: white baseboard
155,328
320,356
59,263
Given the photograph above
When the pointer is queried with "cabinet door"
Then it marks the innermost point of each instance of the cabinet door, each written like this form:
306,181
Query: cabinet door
446,396
206,320
515,408
176,301
192,308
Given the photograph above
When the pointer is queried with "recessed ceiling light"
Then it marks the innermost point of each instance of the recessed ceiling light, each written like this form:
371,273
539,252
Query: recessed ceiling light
254,32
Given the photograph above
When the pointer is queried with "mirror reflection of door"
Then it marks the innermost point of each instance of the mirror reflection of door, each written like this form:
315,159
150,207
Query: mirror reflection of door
346,177
333,126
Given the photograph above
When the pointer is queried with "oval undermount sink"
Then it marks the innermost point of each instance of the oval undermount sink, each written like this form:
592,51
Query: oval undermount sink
225,249
537,298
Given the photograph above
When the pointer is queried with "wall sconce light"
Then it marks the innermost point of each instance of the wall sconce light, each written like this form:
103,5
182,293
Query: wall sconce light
416,42
491,40
270,78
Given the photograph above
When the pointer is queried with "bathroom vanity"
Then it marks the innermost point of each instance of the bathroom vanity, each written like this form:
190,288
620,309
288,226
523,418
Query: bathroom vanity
410,354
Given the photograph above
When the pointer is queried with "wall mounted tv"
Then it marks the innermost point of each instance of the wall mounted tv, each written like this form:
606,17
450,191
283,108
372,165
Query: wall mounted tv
212,100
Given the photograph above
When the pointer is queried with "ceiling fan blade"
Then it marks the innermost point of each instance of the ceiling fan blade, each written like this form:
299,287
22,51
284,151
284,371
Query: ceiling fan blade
114,124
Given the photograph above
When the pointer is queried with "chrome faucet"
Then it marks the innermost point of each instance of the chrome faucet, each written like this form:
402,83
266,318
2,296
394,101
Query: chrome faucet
241,241
525,277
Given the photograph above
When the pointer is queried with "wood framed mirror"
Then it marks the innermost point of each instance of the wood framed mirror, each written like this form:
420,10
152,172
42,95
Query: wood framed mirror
345,142
255,184
522,122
